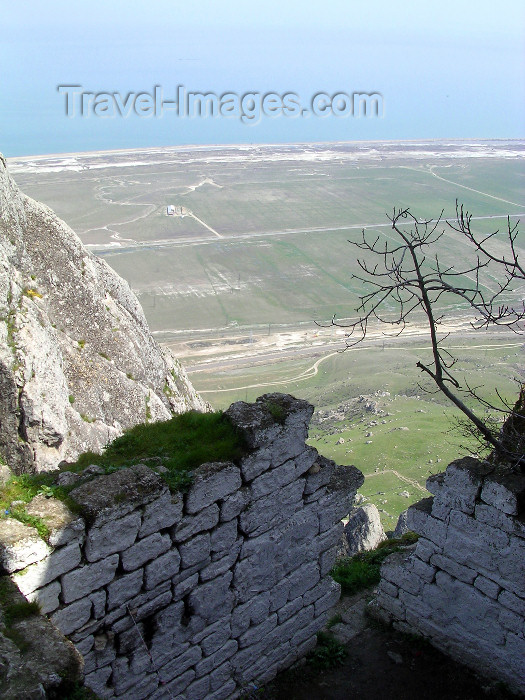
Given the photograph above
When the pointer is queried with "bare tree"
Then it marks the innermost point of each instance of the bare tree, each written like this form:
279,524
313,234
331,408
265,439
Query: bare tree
403,279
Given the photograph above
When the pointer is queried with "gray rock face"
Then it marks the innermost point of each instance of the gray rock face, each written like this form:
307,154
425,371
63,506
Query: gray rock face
363,530
78,364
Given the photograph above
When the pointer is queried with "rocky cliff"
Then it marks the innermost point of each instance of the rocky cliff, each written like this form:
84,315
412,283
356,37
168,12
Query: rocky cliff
77,361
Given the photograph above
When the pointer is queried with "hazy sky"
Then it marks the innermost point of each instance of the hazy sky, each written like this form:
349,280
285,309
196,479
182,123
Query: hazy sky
444,69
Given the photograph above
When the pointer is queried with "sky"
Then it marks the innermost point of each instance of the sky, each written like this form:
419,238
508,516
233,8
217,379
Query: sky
442,70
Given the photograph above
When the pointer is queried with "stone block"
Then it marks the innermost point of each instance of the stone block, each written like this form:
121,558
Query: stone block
253,612
327,561
395,570
459,488
214,599
224,692
193,524
451,566
197,690
124,588
435,483
255,464
211,483
195,550
182,585
328,600
389,589
505,492
20,545
43,572
319,474
97,681
512,622
272,480
99,604
63,525
146,597
303,579
216,634
312,628
271,510
220,566
288,610
233,505
161,569
144,550
151,606
46,597
342,487
426,548
486,586
115,536
254,575
279,594
512,602
291,627
161,513
322,588
72,617
258,632
422,570
86,579
177,667
112,496
501,521
223,536
209,664
418,513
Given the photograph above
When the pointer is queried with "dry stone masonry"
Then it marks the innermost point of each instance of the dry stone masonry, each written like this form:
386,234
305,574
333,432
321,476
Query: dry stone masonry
193,596
463,585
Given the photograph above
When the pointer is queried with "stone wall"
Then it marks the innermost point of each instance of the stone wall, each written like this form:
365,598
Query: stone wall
193,596
463,585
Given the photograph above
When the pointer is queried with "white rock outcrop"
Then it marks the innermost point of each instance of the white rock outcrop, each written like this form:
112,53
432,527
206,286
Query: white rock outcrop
77,361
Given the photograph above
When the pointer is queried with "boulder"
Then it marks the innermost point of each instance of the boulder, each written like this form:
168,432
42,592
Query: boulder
363,531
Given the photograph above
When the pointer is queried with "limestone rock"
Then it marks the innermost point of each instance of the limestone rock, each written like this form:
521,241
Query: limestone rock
20,545
363,530
78,364
402,525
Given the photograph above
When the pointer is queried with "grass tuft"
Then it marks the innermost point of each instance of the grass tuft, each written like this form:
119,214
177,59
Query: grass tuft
277,411
328,653
181,444
363,570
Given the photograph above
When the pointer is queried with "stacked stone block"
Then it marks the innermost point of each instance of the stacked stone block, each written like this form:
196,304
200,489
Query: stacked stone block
198,595
463,585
